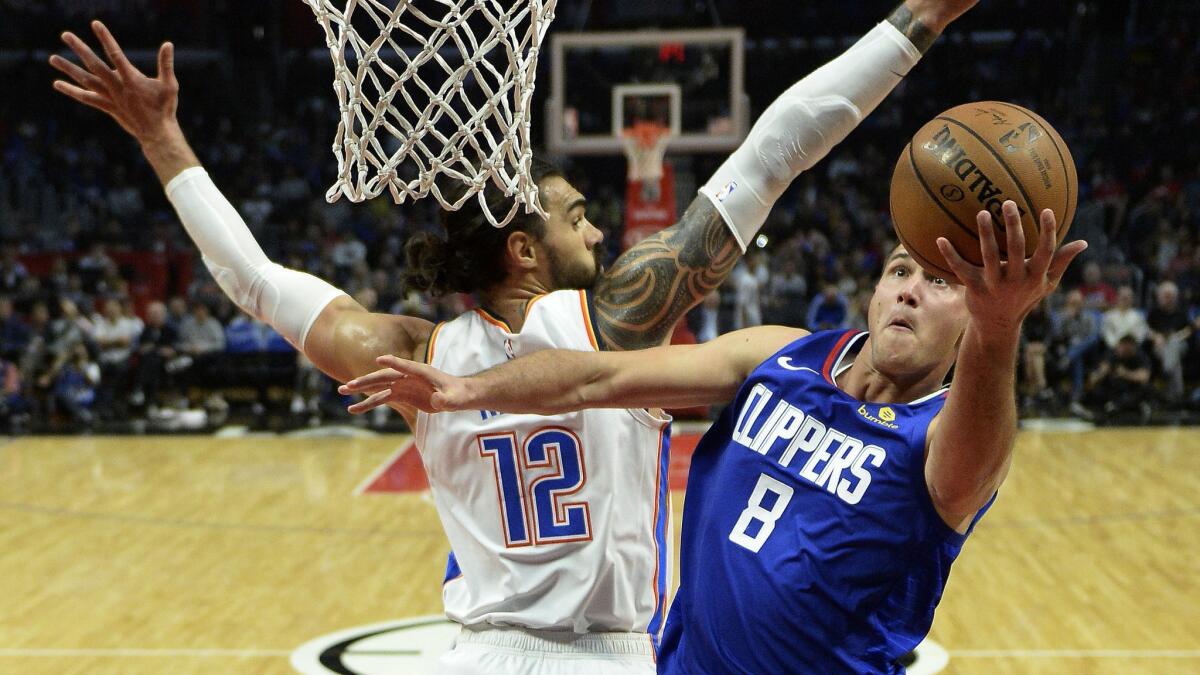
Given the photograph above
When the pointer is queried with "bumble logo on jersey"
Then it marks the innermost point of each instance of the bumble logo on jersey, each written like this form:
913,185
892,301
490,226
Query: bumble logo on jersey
885,418
836,461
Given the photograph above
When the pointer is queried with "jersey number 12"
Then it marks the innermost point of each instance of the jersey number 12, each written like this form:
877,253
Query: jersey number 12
533,509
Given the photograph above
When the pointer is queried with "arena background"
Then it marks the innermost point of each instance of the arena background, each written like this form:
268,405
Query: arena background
192,496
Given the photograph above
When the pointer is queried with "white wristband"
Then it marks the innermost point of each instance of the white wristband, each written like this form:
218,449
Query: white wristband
804,124
288,300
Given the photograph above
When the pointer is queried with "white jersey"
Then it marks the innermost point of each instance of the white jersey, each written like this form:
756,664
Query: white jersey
555,522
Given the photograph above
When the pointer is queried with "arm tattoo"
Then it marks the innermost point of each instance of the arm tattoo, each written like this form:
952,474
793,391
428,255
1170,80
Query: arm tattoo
639,300
916,32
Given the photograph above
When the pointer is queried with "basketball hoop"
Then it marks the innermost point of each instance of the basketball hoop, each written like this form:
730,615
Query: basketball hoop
442,86
645,145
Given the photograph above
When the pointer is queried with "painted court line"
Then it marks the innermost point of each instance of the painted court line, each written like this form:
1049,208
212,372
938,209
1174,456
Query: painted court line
130,652
274,653
392,459
1077,653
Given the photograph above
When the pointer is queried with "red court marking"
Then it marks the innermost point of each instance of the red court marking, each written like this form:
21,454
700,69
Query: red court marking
405,474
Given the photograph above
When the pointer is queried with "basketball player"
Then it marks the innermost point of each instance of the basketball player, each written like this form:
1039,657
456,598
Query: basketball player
826,505
558,525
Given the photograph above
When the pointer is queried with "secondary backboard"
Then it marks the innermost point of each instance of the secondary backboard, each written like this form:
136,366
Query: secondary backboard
689,80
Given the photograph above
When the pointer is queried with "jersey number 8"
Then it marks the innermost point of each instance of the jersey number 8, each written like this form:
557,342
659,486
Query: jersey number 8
754,512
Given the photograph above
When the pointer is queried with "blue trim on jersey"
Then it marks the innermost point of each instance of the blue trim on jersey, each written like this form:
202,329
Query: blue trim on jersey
452,570
810,542
660,535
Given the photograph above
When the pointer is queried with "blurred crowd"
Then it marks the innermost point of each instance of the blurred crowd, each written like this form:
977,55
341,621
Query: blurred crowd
108,319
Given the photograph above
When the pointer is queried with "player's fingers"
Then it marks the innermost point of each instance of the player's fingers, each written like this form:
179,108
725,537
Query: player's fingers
90,61
84,96
371,402
357,388
412,368
1014,234
166,64
967,273
1047,235
379,379
113,50
989,250
1062,260
82,77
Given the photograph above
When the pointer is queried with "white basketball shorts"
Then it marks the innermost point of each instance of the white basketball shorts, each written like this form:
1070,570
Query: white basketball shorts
516,651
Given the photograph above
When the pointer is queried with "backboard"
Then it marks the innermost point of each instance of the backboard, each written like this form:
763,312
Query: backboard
689,80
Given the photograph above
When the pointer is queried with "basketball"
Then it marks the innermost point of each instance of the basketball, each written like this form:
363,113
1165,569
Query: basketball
971,158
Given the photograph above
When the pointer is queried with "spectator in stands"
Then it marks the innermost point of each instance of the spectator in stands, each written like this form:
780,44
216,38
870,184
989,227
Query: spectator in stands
1170,331
200,334
709,322
12,272
75,385
95,267
856,316
14,333
157,346
1074,337
1124,319
115,335
1121,382
786,295
14,407
1097,293
177,311
41,335
827,311
749,281
1035,336
201,345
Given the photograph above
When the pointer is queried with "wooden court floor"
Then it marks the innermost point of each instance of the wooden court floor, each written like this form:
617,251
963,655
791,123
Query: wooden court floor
222,555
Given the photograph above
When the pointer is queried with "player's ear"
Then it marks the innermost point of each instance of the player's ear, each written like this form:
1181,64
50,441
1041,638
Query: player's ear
520,251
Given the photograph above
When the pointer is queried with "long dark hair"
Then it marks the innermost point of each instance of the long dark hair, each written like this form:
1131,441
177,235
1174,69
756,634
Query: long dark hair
470,258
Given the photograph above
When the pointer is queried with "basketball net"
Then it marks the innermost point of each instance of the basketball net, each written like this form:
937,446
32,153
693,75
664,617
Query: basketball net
645,145
649,186
457,105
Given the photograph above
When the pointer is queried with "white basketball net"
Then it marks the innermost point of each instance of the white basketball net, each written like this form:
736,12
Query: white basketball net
457,104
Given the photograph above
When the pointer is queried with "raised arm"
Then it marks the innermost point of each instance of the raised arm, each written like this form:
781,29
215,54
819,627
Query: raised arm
333,330
555,381
969,444
639,300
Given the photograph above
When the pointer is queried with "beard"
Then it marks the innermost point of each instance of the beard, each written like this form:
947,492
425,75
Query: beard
576,273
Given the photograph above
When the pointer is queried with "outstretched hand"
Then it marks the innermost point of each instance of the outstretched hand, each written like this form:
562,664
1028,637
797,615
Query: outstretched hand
1001,293
143,106
409,383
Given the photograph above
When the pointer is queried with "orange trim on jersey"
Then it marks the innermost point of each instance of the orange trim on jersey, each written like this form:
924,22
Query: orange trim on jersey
529,305
432,341
587,320
497,322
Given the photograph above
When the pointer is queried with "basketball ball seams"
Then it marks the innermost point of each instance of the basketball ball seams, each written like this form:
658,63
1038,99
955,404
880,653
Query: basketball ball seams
999,160
1067,213
1015,148
929,191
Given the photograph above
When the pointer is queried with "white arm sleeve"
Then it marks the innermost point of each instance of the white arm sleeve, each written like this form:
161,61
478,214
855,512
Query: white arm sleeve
804,124
288,300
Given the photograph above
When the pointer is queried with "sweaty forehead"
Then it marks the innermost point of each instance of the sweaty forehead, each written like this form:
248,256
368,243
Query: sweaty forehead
557,194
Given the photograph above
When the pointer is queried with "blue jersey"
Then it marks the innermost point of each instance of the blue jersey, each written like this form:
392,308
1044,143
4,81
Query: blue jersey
810,542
